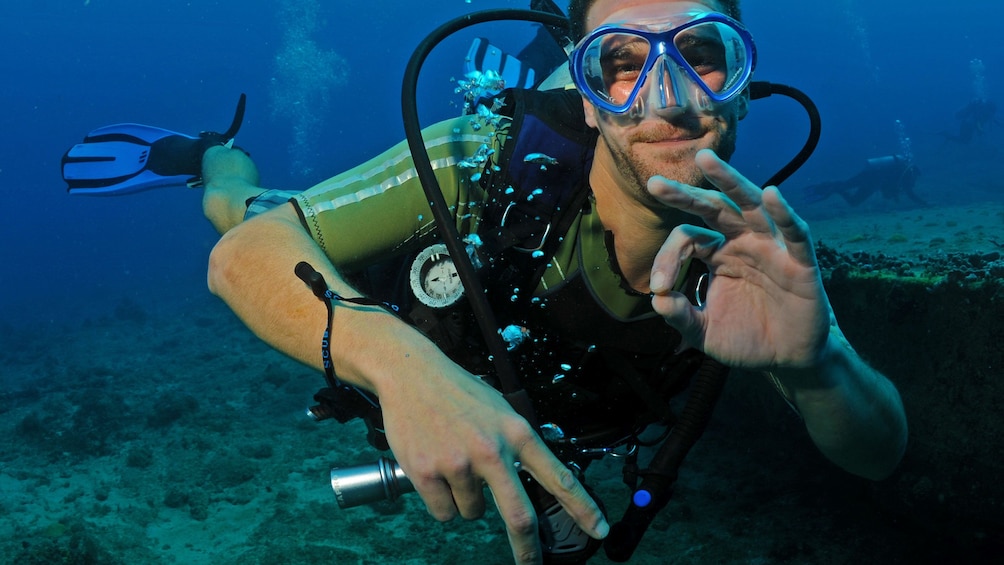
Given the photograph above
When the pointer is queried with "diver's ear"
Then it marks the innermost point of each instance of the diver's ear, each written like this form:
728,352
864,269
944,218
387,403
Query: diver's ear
590,111
743,103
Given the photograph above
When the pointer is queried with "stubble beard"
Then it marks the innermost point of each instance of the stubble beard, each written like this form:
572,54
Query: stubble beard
677,164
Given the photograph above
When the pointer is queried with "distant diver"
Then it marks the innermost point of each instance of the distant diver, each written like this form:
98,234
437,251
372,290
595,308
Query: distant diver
891,176
975,119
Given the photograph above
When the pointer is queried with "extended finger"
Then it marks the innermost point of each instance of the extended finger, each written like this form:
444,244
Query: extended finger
797,237
558,480
716,209
740,190
727,179
519,516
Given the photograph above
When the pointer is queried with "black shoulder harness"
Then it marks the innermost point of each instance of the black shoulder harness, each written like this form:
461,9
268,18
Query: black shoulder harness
537,184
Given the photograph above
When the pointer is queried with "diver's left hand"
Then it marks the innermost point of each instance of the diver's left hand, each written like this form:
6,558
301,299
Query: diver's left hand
765,307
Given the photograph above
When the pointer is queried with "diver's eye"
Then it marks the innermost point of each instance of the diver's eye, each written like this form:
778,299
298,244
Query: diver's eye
706,57
702,56
625,63
626,71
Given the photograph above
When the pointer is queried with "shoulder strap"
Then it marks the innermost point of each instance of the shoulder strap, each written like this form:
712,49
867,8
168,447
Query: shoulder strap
538,183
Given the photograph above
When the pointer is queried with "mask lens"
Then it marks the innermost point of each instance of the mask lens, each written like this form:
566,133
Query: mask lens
613,65
716,53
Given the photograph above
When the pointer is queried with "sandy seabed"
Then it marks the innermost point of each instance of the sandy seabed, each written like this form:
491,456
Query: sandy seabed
913,232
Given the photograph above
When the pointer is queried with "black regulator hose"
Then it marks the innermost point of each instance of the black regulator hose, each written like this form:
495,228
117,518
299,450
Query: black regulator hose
763,89
473,289
657,483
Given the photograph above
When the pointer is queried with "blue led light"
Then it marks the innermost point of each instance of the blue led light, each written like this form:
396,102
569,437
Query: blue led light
642,498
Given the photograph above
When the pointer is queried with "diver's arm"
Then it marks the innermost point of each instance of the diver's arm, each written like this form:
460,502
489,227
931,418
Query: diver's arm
451,433
252,269
766,309
852,412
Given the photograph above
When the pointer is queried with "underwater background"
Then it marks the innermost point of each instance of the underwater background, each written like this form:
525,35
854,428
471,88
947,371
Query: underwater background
143,423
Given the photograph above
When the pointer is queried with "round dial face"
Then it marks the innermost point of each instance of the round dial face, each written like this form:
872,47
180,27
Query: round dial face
434,278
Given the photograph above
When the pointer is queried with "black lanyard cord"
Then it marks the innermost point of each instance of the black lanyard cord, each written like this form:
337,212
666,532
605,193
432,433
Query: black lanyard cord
306,273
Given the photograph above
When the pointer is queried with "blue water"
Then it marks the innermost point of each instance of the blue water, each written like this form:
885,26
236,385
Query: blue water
69,66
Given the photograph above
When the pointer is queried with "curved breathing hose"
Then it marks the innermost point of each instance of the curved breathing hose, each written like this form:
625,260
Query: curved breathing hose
473,289
763,89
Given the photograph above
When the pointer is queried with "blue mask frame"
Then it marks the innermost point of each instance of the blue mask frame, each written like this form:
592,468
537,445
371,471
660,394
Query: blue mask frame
663,44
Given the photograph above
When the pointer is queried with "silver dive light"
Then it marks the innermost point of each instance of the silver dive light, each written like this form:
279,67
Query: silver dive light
366,484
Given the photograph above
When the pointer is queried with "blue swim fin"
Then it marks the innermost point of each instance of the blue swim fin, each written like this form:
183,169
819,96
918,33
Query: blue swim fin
128,158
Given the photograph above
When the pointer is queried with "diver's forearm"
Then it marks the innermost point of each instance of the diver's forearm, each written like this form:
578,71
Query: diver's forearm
852,412
252,270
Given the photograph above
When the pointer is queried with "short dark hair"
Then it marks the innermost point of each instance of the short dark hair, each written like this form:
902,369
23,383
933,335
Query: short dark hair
577,15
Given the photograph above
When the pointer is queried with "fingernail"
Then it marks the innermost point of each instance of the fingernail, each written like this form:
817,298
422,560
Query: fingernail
602,529
658,282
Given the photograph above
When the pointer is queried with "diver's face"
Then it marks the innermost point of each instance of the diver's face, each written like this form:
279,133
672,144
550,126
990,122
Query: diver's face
660,141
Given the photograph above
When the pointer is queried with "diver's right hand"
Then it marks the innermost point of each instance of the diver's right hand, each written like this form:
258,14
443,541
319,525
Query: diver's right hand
453,434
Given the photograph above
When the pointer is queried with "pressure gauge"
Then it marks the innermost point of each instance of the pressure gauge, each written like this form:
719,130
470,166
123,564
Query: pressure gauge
434,277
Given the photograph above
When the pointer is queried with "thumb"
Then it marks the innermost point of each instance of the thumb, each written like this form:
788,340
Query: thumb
682,316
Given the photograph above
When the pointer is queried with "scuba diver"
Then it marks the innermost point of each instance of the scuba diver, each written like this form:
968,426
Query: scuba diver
975,119
890,176
621,256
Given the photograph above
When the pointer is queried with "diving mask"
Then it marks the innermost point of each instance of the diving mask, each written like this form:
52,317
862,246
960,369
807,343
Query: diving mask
695,59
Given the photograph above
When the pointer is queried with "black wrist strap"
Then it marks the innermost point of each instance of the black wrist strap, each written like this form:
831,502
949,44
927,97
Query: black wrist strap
313,279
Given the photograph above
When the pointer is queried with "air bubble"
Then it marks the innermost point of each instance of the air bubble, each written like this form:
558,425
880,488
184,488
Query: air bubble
552,432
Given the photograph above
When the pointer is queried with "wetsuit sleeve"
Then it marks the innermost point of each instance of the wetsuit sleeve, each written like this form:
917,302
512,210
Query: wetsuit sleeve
379,208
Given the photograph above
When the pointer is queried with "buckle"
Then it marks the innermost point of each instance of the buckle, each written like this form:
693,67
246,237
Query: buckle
543,238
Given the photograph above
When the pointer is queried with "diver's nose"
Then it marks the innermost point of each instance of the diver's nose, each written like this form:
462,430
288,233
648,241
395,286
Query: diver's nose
665,91
667,86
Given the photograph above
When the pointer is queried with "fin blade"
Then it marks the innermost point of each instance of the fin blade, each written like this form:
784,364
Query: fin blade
113,160
137,133
145,180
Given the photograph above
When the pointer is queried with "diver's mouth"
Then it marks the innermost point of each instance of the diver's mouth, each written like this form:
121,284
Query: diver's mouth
668,135
676,139
669,140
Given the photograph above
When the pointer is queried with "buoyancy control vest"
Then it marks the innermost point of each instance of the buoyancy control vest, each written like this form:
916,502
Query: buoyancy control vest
596,379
